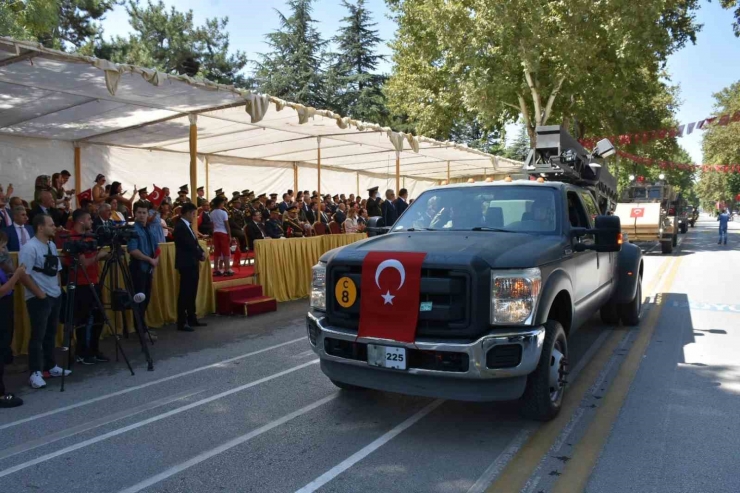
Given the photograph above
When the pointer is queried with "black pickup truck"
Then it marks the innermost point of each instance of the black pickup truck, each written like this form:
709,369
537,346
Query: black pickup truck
511,270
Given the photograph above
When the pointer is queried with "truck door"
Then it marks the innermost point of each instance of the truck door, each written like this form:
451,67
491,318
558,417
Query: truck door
586,263
605,261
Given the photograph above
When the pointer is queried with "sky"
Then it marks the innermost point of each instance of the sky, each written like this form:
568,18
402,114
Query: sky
700,70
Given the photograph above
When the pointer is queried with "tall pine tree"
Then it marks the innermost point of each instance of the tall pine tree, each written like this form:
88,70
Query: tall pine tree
520,147
293,69
354,65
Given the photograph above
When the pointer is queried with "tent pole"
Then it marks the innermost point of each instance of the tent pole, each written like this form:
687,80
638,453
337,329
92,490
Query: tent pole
398,172
78,172
448,172
207,180
194,163
358,185
318,165
295,177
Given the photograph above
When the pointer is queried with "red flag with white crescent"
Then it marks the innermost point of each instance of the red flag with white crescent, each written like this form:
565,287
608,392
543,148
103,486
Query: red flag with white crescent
84,195
156,196
389,308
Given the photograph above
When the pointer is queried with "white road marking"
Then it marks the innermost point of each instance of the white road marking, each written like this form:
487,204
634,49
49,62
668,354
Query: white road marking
96,423
500,462
147,421
226,446
367,450
148,384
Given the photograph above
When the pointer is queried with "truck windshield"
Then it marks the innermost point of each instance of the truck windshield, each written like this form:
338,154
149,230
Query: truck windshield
656,193
525,209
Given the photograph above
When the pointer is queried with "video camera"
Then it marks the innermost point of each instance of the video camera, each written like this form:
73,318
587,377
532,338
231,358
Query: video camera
107,235
77,247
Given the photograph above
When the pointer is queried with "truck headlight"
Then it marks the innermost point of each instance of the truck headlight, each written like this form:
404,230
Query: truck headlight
514,295
318,286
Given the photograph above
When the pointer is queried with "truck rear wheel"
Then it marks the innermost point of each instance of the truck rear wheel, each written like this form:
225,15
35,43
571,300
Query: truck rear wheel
684,228
675,240
630,312
666,246
543,396
346,386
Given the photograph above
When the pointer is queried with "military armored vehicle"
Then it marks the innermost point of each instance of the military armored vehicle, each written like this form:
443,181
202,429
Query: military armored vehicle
647,212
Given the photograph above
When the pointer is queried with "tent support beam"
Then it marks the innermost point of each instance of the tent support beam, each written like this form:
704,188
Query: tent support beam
398,172
16,59
318,165
208,189
78,171
448,172
194,163
358,185
295,177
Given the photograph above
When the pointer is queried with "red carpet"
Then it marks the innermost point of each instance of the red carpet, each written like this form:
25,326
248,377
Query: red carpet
245,271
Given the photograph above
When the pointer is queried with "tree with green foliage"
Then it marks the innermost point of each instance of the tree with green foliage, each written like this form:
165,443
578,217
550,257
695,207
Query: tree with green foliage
733,4
541,60
170,41
61,24
470,131
293,69
519,147
721,146
360,93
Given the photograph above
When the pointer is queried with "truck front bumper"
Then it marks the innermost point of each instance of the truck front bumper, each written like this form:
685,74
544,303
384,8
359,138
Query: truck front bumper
477,382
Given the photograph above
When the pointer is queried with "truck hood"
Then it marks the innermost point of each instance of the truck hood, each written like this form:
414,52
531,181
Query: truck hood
498,250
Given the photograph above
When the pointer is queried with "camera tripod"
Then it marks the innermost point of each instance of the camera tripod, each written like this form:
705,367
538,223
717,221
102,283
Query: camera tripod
120,301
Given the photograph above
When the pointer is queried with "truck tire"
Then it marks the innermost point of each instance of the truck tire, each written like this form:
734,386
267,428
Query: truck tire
610,314
666,246
543,395
346,386
684,229
675,240
630,312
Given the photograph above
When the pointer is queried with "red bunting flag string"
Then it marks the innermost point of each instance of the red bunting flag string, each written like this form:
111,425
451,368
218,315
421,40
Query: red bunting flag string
678,131
669,165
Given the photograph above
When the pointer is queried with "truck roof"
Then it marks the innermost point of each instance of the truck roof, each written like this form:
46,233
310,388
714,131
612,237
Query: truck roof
548,184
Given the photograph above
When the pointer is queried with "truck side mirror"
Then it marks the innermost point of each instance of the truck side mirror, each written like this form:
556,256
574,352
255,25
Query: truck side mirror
608,233
376,226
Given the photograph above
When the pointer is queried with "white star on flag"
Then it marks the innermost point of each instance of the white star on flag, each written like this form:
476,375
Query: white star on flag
388,298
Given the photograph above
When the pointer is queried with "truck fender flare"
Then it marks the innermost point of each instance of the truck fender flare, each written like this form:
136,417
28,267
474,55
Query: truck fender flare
629,263
557,281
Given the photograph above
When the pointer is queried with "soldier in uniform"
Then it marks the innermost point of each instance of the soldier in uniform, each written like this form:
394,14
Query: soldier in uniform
219,193
182,196
201,196
273,228
144,196
238,222
167,199
254,206
292,227
373,203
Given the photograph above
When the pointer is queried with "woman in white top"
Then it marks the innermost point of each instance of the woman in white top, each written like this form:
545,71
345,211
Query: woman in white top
221,239
350,224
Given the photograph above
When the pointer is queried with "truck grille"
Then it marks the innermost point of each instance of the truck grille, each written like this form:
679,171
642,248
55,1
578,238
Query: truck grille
447,290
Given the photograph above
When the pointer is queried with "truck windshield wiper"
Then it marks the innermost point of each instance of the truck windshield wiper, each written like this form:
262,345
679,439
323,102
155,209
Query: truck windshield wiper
486,228
422,229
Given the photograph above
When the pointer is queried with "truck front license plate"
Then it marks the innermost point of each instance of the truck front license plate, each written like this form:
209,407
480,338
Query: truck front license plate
386,356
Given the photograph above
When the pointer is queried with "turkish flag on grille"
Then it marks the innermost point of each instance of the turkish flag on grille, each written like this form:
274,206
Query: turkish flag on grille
389,305
156,196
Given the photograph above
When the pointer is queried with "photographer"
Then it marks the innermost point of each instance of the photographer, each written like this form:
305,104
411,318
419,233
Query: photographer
43,300
88,335
143,252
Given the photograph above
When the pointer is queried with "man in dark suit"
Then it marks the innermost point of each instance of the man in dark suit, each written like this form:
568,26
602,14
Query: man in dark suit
103,220
401,202
19,232
373,203
307,214
388,210
46,206
319,211
255,229
188,255
340,215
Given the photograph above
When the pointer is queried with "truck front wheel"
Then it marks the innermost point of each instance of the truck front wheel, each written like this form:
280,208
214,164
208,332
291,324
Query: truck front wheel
630,312
666,246
543,395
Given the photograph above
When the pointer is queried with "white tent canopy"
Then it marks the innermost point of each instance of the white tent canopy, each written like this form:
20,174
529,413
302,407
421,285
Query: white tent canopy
136,126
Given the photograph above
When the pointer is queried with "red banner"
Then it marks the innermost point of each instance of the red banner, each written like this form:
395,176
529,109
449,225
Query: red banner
389,308
156,196
645,137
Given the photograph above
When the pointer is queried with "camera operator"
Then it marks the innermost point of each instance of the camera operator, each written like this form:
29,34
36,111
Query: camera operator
142,250
88,335
43,300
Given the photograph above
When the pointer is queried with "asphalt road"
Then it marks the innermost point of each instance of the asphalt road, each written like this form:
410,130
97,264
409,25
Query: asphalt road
241,406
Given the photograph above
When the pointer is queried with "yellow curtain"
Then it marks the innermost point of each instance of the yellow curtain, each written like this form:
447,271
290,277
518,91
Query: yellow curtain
284,266
162,308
